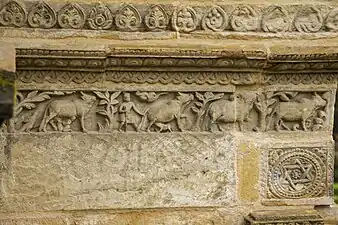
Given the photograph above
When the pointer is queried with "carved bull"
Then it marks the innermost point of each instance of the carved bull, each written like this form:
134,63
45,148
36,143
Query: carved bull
298,111
168,110
231,111
68,108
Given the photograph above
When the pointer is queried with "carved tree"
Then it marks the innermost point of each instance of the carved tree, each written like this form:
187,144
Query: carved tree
200,106
109,101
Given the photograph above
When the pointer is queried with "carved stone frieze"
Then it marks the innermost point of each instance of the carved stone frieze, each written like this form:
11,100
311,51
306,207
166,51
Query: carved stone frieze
65,111
242,18
293,111
66,77
295,173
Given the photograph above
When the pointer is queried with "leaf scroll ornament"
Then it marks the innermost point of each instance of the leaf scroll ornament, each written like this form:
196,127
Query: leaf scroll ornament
42,16
71,16
308,20
244,18
215,19
128,19
275,19
156,18
13,14
185,19
100,17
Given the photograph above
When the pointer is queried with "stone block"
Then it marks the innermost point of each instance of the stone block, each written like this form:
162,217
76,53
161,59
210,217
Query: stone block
301,217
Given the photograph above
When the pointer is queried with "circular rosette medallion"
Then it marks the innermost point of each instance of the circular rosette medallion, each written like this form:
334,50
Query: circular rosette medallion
297,173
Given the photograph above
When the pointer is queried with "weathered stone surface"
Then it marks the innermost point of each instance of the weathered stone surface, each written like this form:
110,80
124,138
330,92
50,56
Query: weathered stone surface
76,171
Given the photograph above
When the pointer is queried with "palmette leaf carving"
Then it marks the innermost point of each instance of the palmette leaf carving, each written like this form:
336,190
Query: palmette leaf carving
42,16
71,16
100,17
13,14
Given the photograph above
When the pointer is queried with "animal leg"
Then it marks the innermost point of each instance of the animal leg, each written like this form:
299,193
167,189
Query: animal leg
219,127
150,124
82,124
47,119
304,124
179,123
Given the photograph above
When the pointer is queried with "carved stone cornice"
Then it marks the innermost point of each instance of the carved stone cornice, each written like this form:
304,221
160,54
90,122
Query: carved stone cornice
164,59
265,18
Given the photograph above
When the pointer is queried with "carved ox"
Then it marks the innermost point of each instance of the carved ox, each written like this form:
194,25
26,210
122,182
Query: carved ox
68,108
168,110
231,111
298,111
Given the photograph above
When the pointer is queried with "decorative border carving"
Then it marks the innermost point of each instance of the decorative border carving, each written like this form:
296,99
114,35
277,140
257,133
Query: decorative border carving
295,173
129,18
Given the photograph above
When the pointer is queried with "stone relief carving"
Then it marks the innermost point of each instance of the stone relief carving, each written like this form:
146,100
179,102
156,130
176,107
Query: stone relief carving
13,14
156,19
244,18
297,173
42,16
235,109
272,18
100,17
295,79
215,19
292,111
184,19
128,18
71,16
67,77
142,111
275,19
332,20
308,19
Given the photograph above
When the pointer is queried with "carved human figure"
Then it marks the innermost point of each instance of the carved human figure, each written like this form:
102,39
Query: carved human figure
298,111
169,110
126,115
67,109
231,111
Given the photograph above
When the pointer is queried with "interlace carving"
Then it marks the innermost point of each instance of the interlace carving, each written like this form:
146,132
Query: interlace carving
297,173
100,17
71,16
13,14
42,16
128,18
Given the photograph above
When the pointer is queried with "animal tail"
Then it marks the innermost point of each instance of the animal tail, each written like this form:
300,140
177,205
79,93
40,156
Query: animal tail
44,118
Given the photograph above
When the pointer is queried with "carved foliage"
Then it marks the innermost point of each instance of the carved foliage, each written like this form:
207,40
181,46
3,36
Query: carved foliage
13,14
156,18
42,16
215,19
100,17
184,19
308,19
71,16
244,18
275,19
128,18
297,173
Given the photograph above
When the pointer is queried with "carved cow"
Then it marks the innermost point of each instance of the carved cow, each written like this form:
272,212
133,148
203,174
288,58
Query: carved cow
68,108
298,111
168,110
231,111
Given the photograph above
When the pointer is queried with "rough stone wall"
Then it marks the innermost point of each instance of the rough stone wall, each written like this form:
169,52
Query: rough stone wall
179,113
